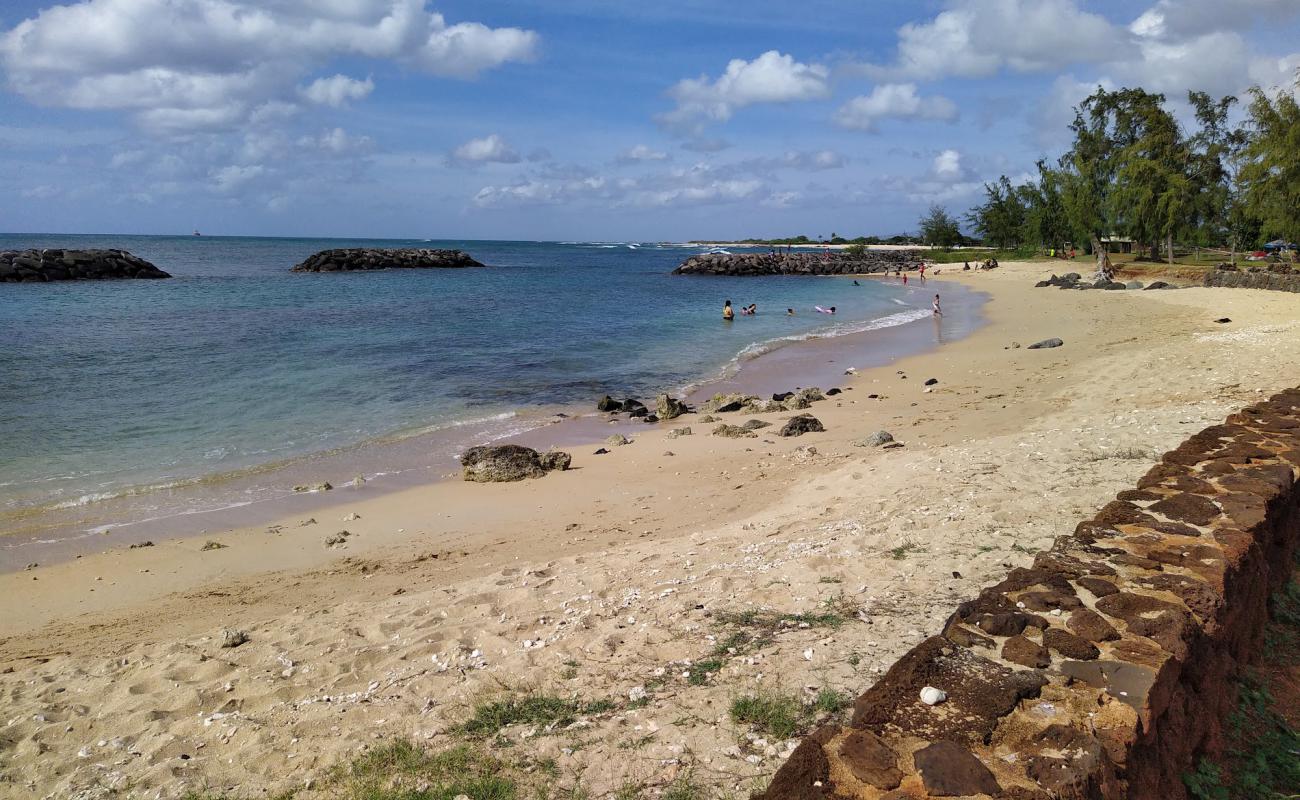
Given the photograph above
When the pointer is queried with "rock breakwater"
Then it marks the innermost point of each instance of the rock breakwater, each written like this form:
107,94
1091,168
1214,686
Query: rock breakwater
839,263
1275,277
34,266
352,259
1105,669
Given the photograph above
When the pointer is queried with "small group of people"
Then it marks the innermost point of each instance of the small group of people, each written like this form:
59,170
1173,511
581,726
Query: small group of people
748,311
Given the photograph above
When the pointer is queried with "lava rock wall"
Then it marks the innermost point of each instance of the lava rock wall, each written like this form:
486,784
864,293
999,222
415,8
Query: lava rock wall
838,263
1106,669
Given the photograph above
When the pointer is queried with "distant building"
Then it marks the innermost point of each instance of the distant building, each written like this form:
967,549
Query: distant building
1117,244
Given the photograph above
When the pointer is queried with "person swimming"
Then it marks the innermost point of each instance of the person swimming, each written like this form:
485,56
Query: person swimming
855,283
830,310
789,312
727,313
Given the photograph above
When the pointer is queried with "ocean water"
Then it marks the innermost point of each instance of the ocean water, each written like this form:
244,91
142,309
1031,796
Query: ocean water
236,367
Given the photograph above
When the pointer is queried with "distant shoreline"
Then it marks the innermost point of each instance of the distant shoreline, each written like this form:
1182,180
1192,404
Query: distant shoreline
820,245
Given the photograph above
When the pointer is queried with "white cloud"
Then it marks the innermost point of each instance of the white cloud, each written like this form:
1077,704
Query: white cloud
773,77
976,38
337,91
231,179
337,142
489,149
127,158
1191,18
947,165
193,64
893,101
534,192
642,152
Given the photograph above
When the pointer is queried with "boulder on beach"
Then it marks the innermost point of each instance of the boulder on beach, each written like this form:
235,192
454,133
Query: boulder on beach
801,424
608,403
722,403
40,266
875,440
509,462
352,259
667,407
1046,343
734,432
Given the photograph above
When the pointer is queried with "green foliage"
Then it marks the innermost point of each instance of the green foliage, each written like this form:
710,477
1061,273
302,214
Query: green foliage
401,770
939,228
1000,221
829,701
533,709
784,715
1270,175
776,715
701,670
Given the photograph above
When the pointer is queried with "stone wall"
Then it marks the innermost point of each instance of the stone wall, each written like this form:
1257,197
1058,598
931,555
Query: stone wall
836,263
364,258
1263,279
34,266
1105,669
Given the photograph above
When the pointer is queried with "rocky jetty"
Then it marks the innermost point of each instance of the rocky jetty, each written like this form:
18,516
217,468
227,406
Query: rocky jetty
837,263
32,266
351,259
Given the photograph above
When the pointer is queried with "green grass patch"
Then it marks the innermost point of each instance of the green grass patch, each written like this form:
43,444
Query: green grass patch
901,552
685,787
829,701
777,715
401,770
701,670
533,709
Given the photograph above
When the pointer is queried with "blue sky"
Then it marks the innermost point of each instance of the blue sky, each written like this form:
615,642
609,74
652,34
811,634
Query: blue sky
589,119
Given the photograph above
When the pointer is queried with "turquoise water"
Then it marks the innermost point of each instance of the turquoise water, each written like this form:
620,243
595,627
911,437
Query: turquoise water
108,387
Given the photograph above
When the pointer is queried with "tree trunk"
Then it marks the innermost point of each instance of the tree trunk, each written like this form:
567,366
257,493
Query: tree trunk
1103,258
1169,248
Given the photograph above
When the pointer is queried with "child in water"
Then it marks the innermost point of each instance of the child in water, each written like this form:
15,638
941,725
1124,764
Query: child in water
938,312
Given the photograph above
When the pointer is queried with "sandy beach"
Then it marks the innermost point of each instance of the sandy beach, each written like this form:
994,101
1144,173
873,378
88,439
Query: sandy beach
667,577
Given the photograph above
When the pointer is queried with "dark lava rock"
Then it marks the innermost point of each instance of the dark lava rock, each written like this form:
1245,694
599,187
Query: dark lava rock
755,424
1020,650
1069,645
1190,508
801,424
1156,285
1046,343
40,266
870,760
1223,320
931,381
354,259
832,392
1090,625
950,770
509,462
608,403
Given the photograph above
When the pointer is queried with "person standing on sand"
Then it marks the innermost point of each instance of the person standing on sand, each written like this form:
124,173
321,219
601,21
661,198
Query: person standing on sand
727,313
938,312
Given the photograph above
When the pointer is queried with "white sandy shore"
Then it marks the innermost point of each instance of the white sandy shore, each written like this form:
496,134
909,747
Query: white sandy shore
613,578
